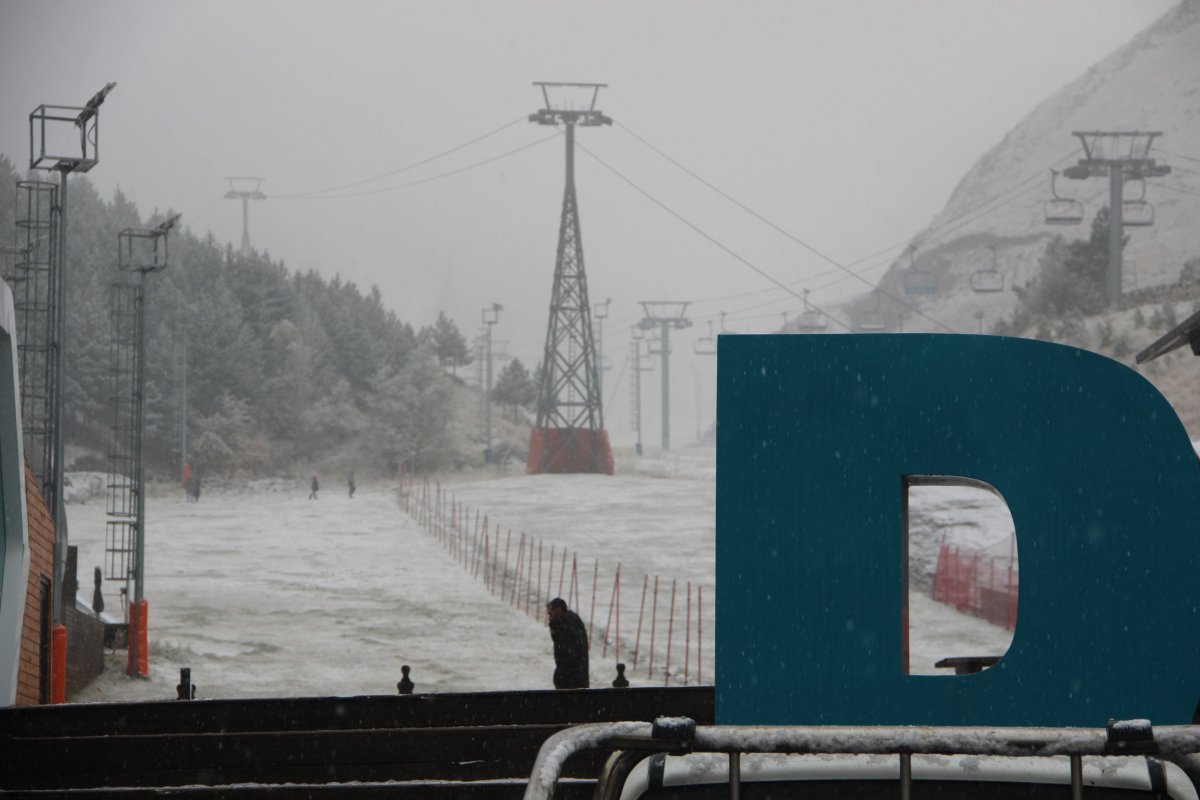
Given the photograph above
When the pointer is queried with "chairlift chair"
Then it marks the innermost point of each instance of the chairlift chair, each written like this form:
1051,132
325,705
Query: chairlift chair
988,280
1138,212
871,321
920,282
810,320
1061,210
705,345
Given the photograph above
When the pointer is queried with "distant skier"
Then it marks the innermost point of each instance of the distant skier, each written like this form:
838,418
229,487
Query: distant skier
570,645
350,482
313,487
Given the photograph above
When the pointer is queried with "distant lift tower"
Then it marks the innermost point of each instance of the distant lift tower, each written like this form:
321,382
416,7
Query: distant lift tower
665,315
569,435
245,189
1119,156
62,139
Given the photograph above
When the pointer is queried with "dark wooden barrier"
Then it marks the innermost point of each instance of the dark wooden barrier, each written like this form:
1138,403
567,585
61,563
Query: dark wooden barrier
360,745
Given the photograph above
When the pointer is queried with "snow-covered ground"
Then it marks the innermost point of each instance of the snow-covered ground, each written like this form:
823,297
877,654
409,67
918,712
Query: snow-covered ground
263,592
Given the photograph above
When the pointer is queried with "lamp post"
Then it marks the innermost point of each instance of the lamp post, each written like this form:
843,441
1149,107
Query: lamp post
491,316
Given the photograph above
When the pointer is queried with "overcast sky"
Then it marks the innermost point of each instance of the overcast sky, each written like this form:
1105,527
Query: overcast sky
846,123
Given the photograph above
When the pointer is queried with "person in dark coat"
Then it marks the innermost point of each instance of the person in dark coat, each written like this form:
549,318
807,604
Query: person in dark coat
570,645
350,482
313,487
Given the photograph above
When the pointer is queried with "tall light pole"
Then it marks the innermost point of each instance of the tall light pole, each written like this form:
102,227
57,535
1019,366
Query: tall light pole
600,313
86,121
491,316
140,251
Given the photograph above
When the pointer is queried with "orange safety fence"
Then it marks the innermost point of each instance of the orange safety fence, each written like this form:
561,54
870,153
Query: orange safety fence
983,586
526,572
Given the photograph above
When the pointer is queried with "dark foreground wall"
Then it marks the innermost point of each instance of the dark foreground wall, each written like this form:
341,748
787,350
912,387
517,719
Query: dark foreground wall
393,746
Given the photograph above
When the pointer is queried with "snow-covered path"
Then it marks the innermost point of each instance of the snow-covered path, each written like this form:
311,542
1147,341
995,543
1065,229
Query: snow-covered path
270,594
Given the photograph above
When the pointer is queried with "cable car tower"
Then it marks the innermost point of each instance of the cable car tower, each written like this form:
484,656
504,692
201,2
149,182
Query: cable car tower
569,435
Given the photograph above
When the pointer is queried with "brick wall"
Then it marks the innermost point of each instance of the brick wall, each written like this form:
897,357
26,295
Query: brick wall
41,565
85,648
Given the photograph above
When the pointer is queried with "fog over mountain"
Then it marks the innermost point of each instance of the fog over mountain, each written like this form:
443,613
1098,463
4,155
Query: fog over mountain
995,216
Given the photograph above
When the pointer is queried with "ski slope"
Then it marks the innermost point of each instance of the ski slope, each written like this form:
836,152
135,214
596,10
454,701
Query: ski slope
264,593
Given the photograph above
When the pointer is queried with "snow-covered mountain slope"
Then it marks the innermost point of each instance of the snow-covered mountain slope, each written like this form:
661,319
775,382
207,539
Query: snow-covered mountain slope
1152,83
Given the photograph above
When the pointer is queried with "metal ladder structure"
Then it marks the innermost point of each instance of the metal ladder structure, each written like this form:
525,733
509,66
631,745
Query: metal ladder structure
121,527
33,273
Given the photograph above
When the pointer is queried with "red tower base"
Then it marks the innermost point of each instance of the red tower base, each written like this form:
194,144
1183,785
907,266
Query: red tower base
561,450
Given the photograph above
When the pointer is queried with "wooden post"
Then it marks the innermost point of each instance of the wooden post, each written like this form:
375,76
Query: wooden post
687,636
637,642
592,611
699,635
670,632
653,621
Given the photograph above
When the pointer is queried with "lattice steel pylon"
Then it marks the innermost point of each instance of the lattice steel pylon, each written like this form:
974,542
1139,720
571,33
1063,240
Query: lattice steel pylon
569,435
140,251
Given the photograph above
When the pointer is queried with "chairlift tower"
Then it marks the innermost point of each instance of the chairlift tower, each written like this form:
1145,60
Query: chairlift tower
62,139
1120,156
140,251
569,435
245,189
665,315
640,365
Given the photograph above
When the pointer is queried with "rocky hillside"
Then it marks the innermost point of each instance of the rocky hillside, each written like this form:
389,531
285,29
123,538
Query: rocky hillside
994,218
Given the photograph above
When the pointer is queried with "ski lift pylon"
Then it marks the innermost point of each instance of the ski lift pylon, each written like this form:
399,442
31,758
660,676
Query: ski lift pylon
1060,210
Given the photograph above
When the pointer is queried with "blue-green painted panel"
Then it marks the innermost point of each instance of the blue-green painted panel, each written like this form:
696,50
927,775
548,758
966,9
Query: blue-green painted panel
814,435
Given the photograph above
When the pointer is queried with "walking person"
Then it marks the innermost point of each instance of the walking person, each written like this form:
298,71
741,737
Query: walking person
350,483
570,645
313,487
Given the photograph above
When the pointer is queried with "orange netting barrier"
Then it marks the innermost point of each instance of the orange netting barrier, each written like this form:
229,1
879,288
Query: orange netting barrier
982,586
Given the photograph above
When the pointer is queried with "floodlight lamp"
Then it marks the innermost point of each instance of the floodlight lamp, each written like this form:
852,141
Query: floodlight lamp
167,224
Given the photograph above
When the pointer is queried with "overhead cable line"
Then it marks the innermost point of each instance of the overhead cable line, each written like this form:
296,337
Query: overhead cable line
431,178
701,232
1179,189
1175,155
779,229
932,234
405,168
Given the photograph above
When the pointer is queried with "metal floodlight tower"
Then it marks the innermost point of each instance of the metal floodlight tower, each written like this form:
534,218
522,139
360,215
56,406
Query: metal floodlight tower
665,314
491,316
51,148
1119,156
242,189
141,251
569,435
